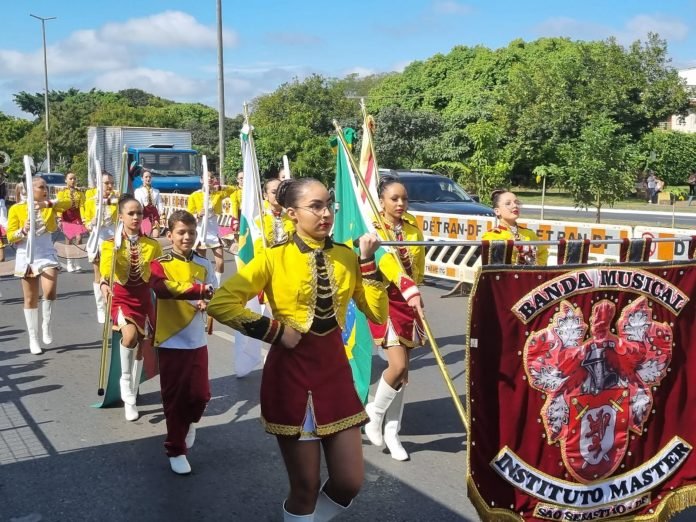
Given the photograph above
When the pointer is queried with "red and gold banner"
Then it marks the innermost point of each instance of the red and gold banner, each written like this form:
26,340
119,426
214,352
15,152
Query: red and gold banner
582,392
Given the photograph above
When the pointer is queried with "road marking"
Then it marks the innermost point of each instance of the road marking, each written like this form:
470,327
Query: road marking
615,211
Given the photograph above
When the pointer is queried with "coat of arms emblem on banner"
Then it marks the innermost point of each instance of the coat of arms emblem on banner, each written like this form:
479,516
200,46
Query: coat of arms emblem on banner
596,375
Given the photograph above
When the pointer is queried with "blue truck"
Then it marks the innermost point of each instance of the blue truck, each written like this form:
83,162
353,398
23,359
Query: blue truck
167,153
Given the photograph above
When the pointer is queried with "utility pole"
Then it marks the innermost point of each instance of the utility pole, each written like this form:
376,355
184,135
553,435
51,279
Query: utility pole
43,33
221,94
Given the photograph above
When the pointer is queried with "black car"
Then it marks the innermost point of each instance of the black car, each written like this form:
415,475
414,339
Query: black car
432,192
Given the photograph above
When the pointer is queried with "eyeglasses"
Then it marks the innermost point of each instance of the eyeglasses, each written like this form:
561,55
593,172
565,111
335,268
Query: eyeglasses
318,208
516,203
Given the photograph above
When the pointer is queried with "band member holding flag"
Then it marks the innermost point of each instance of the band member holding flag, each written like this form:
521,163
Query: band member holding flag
208,235
43,268
507,208
153,208
402,331
131,311
71,219
100,231
308,399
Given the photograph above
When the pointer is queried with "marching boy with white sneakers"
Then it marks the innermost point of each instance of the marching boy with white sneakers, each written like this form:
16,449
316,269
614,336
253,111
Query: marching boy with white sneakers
183,281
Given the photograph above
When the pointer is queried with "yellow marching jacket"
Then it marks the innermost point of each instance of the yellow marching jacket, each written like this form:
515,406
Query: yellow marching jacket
132,262
287,273
521,255
89,210
76,198
271,226
195,201
47,219
412,258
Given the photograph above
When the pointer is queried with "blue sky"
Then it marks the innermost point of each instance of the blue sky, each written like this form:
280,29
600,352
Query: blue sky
168,47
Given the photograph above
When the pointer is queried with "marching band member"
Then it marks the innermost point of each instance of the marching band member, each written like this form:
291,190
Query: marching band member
45,267
153,208
275,224
182,281
131,311
104,230
71,219
308,399
196,206
401,332
507,210
236,198
3,216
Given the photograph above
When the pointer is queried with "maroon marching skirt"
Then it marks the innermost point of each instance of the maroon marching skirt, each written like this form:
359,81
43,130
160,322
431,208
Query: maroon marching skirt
133,304
402,319
315,374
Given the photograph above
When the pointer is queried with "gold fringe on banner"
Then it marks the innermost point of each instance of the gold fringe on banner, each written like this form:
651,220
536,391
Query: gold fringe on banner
671,505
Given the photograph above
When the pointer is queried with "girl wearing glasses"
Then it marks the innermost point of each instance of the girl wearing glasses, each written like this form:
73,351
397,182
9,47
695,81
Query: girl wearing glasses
402,331
131,311
43,271
308,400
507,210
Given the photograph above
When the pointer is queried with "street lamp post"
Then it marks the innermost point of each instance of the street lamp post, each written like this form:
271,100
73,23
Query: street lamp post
43,33
221,95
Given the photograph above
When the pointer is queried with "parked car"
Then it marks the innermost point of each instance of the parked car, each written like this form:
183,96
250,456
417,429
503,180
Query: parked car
53,179
429,191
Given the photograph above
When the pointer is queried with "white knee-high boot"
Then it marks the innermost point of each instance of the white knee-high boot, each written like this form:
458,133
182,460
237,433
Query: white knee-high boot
137,374
289,517
218,278
384,395
392,426
31,316
126,383
327,508
46,308
101,305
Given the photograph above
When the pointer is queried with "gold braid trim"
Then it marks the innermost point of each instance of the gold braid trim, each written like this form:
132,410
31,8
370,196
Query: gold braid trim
322,431
671,504
376,284
334,290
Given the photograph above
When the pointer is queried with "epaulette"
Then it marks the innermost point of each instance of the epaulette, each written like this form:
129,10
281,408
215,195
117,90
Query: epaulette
165,257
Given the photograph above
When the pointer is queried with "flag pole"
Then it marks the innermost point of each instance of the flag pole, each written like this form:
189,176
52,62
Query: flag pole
363,108
254,166
431,338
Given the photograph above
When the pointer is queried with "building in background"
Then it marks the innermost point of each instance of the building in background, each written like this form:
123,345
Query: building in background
685,123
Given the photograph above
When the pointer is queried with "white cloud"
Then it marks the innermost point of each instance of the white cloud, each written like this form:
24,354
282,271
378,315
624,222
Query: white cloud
163,83
635,28
667,27
360,71
400,66
170,29
450,7
114,46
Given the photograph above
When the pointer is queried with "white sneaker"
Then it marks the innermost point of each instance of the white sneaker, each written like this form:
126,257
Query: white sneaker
191,435
131,411
180,465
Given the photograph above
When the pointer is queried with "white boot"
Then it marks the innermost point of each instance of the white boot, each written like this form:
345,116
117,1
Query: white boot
135,386
180,465
46,307
218,279
392,426
375,410
75,265
289,517
101,305
31,316
326,508
126,383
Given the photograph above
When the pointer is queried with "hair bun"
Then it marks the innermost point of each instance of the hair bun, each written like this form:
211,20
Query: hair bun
282,192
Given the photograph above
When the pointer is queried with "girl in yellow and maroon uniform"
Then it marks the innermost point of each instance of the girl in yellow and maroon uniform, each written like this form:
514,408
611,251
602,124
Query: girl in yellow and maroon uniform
401,332
308,398
131,311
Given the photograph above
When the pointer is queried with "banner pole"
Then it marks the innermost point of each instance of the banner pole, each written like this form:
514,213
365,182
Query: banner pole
431,338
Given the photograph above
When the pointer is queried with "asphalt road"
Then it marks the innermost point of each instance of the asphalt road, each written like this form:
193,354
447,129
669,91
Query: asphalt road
63,460
659,216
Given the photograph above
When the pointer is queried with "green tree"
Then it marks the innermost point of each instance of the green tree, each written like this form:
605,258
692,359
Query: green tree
11,131
674,155
597,165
